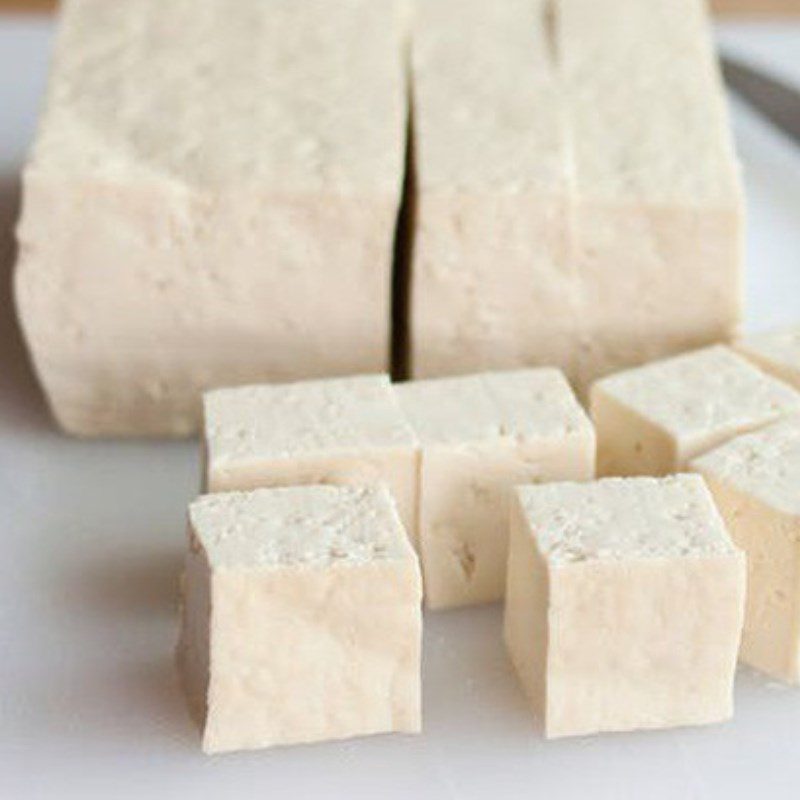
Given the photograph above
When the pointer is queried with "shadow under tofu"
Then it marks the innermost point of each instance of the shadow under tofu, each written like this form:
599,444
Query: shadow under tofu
21,400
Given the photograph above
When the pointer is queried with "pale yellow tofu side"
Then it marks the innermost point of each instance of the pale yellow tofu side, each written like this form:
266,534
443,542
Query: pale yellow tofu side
771,540
643,644
344,663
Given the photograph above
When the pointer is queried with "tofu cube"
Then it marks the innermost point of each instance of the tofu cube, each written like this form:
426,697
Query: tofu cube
301,617
776,352
339,431
479,436
624,604
755,480
654,419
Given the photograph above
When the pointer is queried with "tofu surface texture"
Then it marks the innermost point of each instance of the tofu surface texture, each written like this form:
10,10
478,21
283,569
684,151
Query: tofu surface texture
479,436
624,604
301,617
776,352
211,200
575,173
755,480
653,420
335,431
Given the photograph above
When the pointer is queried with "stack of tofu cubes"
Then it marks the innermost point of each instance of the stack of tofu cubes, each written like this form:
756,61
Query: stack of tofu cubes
302,588
236,217
628,598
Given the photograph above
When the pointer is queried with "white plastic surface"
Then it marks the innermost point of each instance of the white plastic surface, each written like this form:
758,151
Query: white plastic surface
92,537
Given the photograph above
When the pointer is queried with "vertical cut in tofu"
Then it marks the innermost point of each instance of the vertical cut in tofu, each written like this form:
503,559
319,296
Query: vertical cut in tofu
301,617
337,431
491,280
755,480
210,201
479,436
776,352
657,222
653,419
624,604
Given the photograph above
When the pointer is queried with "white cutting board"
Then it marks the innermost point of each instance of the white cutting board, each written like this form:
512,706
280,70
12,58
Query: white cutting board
91,543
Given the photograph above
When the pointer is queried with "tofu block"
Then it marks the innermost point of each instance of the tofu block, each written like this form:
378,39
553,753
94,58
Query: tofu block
301,617
776,352
492,285
654,419
657,218
338,431
624,604
755,480
575,173
479,436
210,201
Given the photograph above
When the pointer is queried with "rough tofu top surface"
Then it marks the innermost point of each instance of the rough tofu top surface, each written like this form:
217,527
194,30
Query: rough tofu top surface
764,464
309,418
706,390
781,347
299,526
625,518
645,101
517,406
219,93
485,97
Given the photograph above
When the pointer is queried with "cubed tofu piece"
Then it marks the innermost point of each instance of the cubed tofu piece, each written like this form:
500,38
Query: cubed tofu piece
657,218
776,352
755,480
491,282
479,436
624,604
653,419
211,200
301,617
338,431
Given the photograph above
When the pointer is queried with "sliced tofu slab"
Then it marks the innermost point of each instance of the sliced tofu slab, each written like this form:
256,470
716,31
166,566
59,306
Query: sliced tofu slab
578,199
491,281
657,224
211,200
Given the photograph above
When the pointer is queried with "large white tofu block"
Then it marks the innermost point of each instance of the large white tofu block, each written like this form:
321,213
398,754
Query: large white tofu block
652,420
479,436
210,201
574,174
336,431
624,604
301,617
491,280
657,218
776,352
755,480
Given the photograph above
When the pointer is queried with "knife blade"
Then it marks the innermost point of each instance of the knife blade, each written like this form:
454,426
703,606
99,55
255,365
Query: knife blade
775,99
